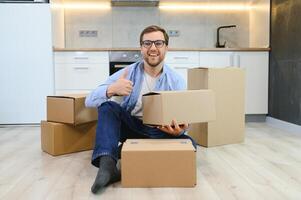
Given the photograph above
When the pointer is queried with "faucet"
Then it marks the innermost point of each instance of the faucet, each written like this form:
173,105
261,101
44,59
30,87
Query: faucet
218,45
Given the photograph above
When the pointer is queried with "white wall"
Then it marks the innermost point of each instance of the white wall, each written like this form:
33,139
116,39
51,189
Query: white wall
58,25
260,23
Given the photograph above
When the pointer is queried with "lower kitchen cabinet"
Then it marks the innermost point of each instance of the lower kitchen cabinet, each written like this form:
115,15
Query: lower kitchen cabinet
256,66
80,72
216,59
181,61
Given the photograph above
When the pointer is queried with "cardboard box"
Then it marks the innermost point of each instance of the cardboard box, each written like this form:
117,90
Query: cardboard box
187,106
70,109
59,138
229,87
158,163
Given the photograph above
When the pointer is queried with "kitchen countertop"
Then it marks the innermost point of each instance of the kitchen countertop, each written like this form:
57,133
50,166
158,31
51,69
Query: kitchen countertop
170,49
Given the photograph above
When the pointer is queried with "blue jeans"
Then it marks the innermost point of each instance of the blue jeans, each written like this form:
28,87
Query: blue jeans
115,125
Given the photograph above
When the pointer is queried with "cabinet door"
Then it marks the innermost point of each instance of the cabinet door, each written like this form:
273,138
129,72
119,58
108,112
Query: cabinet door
79,57
80,76
255,65
80,71
216,59
182,69
182,57
181,61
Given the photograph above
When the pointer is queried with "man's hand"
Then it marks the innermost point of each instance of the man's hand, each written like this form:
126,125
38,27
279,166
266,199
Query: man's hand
122,87
174,129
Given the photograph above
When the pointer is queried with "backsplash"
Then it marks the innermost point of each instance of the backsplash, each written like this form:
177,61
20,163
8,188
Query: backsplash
120,27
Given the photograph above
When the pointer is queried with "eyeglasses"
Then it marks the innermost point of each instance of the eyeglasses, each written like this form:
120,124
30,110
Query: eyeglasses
148,43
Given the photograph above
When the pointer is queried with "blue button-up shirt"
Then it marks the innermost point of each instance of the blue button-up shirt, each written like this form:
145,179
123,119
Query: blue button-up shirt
168,80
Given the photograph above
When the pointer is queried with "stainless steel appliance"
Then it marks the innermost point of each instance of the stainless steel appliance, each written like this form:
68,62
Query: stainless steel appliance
121,59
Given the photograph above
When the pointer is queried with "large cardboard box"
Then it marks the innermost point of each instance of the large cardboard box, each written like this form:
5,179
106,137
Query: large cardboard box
187,106
70,109
158,163
229,87
59,138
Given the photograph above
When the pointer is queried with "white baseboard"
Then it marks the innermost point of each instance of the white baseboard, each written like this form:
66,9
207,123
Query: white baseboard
283,125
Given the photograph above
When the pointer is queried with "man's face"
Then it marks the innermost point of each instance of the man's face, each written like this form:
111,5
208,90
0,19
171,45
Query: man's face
155,53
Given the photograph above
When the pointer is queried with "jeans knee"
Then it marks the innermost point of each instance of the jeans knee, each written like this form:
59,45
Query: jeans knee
108,106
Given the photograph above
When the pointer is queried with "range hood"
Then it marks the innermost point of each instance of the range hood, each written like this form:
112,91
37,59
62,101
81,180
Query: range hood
135,3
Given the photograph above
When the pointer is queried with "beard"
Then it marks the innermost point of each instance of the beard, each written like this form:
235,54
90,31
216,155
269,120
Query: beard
153,61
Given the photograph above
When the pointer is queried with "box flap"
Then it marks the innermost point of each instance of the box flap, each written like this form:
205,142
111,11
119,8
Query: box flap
151,93
158,145
201,68
167,92
71,96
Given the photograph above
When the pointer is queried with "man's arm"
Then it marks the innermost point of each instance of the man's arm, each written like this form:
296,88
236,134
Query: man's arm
117,84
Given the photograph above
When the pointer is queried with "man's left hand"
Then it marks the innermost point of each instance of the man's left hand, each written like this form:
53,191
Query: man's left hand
174,129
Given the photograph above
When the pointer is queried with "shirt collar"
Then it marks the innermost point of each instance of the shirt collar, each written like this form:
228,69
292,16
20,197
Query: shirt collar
161,76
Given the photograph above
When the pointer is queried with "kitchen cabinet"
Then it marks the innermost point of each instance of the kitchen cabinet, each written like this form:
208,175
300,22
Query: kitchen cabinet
255,65
80,72
181,61
216,59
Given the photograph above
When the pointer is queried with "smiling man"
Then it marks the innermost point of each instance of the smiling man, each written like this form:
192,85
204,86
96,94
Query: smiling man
118,121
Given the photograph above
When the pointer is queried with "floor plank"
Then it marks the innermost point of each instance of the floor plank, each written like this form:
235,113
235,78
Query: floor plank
266,166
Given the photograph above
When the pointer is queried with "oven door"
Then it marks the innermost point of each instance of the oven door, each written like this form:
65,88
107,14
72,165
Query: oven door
115,66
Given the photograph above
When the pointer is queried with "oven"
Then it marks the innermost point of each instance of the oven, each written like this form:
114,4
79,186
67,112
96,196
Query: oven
121,59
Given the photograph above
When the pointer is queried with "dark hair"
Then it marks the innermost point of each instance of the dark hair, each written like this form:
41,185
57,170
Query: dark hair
154,28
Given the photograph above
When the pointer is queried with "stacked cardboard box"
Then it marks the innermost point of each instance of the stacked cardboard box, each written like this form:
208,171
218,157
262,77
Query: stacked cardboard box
70,126
229,87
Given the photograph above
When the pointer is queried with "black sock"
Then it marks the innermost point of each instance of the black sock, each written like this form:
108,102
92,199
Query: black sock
107,173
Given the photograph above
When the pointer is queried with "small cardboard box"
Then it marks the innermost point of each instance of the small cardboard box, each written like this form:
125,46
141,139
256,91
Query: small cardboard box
187,106
229,87
158,163
70,109
59,138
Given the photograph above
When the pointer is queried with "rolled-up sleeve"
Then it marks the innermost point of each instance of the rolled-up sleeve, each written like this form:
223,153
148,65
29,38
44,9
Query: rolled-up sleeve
99,95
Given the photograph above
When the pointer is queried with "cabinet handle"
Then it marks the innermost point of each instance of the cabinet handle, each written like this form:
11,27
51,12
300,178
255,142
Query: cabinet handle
81,68
81,58
181,58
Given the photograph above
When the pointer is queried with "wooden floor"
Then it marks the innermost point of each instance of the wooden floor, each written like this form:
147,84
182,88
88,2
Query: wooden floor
266,166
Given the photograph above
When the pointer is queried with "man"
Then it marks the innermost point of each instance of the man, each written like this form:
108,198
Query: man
120,121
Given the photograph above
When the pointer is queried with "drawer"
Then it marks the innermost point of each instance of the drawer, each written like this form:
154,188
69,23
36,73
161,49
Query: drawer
182,66
80,76
182,57
216,59
81,57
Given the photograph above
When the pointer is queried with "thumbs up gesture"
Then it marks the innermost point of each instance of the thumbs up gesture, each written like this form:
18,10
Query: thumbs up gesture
121,87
